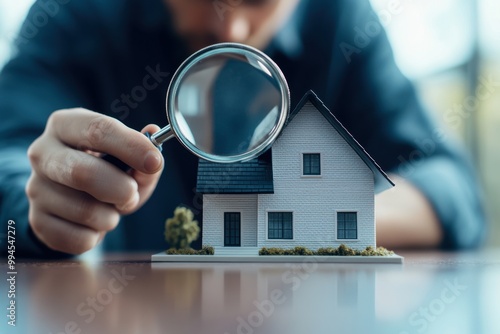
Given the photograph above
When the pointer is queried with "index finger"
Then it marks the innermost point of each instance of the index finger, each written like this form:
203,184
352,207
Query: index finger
84,129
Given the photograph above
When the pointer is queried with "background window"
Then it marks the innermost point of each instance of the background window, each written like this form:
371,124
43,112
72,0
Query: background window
280,225
448,48
312,164
347,225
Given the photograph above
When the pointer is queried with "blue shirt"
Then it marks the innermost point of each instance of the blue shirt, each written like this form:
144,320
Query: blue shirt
117,56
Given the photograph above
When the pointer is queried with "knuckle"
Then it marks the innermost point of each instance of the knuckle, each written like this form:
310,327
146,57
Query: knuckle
81,247
113,221
82,242
80,175
98,128
86,210
57,167
129,193
37,223
110,221
96,215
33,153
74,246
31,188
124,202
75,241
56,117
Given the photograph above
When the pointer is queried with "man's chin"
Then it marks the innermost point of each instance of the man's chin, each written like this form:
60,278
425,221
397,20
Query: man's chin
196,43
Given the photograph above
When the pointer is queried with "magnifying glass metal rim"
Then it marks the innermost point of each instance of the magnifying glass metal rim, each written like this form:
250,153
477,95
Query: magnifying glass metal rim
172,130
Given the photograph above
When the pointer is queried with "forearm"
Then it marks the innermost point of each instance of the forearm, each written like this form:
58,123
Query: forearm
405,218
437,204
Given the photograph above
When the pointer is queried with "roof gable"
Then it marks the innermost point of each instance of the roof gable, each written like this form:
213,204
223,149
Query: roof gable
382,181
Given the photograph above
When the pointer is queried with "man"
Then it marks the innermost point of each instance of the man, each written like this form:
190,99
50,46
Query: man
113,59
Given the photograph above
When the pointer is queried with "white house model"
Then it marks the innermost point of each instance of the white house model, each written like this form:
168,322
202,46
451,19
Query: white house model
315,188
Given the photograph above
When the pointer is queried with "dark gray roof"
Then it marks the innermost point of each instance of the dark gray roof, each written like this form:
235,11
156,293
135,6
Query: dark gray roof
250,177
256,176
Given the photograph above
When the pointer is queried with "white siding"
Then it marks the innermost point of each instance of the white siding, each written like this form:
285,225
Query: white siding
346,184
214,207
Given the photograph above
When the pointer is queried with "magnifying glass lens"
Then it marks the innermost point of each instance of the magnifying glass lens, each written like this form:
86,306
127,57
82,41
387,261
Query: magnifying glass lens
227,103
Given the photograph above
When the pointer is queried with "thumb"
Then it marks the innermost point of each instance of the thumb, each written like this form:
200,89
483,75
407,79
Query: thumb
146,182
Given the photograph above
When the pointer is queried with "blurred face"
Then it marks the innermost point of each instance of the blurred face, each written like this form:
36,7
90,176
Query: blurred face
252,22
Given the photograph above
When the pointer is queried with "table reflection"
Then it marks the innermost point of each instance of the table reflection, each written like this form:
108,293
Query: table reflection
458,296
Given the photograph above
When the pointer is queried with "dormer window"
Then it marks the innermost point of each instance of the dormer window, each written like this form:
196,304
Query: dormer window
311,164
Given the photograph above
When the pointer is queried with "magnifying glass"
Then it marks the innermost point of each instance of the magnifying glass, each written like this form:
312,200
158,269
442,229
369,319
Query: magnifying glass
226,103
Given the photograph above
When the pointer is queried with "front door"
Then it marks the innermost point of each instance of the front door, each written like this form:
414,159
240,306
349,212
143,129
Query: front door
232,229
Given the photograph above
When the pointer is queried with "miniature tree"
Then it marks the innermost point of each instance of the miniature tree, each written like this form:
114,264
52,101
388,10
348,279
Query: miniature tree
181,230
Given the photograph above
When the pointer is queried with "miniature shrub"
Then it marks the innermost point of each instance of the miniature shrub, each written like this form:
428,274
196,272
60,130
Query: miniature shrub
302,251
381,251
369,251
264,251
272,251
205,250
342,250
183,251
327,251
181,229
299,250
277,251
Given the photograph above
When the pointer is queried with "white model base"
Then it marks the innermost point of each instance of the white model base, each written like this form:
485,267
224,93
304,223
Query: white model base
162,257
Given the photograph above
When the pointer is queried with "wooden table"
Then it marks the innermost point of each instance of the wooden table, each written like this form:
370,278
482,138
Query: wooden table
429,293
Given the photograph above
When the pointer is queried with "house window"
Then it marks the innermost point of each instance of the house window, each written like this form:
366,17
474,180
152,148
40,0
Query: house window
311,164
280,225
347,225
232,229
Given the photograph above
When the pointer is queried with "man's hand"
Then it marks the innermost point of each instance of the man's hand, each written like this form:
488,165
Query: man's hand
405,218
75,196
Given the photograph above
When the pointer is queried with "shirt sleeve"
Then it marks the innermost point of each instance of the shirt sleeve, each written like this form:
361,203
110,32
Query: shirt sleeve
380,107
39,79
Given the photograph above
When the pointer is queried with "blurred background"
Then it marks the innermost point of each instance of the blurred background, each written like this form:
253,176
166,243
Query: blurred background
449,48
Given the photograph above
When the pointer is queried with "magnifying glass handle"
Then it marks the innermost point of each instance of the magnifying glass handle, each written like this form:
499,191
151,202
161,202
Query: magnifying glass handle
158,138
